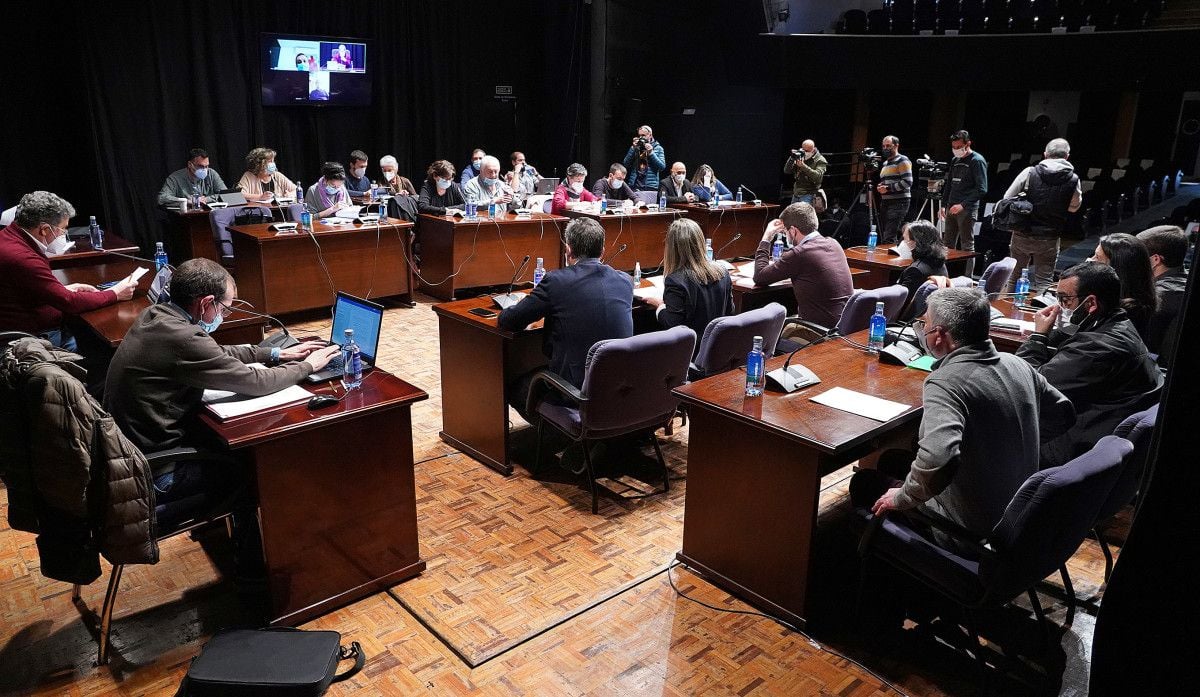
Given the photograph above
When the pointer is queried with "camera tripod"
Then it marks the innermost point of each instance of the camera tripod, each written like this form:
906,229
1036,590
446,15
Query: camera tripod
867,190
933,201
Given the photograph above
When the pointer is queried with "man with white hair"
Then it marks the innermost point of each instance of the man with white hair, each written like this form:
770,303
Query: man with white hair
32,299
985,416
1053,188
488,187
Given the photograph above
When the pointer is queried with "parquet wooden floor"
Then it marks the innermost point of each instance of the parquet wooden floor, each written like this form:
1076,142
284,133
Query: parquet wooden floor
523,582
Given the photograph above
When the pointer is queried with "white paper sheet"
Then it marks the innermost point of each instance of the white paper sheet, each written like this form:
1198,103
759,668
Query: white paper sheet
1015,326
654,290
350,212
236,405
862,404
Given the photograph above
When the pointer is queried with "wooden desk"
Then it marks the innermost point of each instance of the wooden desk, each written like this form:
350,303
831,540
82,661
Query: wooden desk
458,253
755,465
280,273
1009,341
644,231
108,325
338,523
190,235
84,254
721,224
478,361
885,268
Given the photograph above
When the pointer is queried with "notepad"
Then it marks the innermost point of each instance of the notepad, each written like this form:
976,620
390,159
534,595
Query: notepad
862,404
654,290
226,405
1015,326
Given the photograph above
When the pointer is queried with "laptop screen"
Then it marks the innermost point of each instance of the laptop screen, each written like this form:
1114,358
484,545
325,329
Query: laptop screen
365,318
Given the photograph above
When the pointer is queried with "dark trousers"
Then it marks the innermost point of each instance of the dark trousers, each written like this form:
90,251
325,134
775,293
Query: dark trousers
891,218
866,486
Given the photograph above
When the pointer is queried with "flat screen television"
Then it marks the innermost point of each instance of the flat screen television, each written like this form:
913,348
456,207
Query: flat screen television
314,71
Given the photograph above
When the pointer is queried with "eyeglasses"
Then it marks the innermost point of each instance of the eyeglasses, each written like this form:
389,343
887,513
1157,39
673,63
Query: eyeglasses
1063,297
225,309
918,325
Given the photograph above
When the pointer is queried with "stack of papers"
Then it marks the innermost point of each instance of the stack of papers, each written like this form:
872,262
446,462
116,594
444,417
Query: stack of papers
1016,326
862,404
226,405
654,290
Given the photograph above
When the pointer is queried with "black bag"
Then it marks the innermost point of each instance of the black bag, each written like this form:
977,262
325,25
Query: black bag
285,662
1012,214
252,215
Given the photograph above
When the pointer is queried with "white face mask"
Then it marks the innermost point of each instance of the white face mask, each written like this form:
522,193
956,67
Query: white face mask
389,175
358,173
58,245
679,178
904,250
576,186
959,152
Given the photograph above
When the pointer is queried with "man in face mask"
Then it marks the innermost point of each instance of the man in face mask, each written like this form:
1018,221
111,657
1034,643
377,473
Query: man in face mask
32,299
357,182
472,170
964,188
985,415
1097,360
808,167
894,189
675,187
168,358
645,161
488,188
195,178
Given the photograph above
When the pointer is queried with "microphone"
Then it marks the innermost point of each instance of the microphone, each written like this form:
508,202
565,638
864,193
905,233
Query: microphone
733,239
130,256
757,201
788,379
283,340
614,255
509,299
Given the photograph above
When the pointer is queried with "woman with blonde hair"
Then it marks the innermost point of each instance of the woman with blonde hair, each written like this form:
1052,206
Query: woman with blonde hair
262,181
696,291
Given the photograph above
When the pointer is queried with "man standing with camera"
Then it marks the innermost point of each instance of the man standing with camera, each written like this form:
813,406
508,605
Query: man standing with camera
895,189
645,161
962,193
808,167
1053,188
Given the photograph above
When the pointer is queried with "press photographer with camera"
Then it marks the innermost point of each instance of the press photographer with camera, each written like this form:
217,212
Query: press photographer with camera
966,184
808,166
645,161
894,188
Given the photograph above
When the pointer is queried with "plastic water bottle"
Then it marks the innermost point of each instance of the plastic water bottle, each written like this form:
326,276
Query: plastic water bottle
637,273
878,329
351,362
756,373
160,257
708,250
1022,287
776,249
539,272
739,195
492,209
196,197
872,239
662,203
472,213
95,233
603,206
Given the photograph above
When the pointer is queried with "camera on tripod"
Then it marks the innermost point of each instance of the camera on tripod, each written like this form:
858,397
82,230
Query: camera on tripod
870,158
934,175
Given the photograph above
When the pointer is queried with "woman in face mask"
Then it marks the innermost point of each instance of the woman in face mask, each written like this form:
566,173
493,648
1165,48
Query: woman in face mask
921,242
1127,255
571,191
328,195
439,191
262,180
705,185
396,184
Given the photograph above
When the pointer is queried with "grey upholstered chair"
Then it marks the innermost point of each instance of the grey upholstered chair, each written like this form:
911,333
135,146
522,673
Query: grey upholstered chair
995,276
727,340
626,389
221,219
1136,429
856,315
1045,522
916,308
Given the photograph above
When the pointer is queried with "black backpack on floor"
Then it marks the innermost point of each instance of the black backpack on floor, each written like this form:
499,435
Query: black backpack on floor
280,662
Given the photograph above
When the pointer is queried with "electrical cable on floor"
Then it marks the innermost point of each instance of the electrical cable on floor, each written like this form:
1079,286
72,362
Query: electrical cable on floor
811,641
437,457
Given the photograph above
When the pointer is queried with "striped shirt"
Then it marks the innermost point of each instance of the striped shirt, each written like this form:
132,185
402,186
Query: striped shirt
896,175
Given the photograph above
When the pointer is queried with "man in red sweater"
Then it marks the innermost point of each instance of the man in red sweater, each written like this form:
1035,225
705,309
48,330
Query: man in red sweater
32,300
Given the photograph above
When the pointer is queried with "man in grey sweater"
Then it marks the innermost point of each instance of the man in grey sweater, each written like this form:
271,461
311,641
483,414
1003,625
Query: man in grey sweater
167,359
985,416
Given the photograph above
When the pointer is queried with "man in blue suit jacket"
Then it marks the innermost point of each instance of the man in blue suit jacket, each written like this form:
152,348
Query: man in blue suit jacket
586,302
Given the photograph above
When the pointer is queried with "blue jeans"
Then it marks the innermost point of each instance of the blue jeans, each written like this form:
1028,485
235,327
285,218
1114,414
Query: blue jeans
803,198
61,338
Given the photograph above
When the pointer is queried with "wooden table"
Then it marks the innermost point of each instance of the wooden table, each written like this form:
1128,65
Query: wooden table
458,253
280,273
723,223
885,268
190,235
478,361
644,231
84,254
108,325
1009,341
338,523
755,466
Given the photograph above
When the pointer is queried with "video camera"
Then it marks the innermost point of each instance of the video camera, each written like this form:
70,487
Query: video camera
934,174
870,158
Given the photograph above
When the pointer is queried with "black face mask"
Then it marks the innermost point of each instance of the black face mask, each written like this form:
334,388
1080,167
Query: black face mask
1080,315
889,152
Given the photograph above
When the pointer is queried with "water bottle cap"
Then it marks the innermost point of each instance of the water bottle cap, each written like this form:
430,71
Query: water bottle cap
539,261
349,332
879,307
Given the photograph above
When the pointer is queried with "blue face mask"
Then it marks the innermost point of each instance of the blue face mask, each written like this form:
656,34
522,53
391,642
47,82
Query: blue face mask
201,173
271,168
331,190
476,164
209,327
443,183
490,182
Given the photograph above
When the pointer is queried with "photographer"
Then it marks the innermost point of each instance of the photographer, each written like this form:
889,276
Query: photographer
808,167
965,186
645,161
1053,188
895,190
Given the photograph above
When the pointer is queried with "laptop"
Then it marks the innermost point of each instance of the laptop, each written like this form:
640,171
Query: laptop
230,198
366,319
545,185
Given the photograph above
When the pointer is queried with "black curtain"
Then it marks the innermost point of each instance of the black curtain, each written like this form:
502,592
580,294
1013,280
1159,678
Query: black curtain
114,102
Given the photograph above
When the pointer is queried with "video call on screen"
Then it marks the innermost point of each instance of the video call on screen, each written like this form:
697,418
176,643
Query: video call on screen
316,71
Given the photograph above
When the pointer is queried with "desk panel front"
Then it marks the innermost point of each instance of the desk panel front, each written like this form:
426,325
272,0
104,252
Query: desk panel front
458,253
723,223
644,231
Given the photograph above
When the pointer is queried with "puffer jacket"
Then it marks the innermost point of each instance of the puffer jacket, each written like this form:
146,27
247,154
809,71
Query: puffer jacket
72,476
